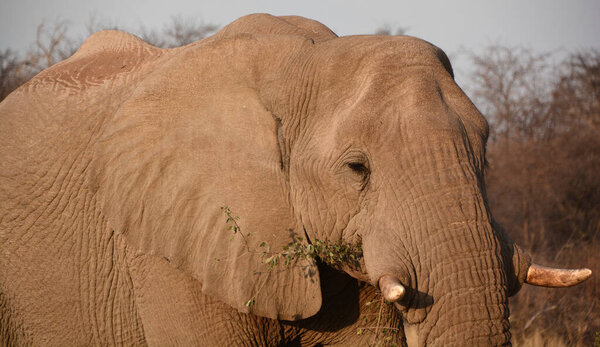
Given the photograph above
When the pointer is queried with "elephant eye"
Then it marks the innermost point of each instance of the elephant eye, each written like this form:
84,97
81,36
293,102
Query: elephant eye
359,168
354,169
361,173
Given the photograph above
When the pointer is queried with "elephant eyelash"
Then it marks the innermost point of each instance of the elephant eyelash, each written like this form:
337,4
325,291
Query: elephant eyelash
356,164
362,171
359,168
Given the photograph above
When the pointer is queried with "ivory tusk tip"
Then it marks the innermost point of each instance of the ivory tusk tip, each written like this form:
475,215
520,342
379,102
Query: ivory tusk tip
394,294
586,273
581,275
391,288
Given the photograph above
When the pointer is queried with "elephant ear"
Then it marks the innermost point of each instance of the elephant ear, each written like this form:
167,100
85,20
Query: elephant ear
192,138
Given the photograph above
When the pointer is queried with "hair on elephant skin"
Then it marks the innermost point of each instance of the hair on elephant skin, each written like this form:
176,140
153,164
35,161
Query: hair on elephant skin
115,164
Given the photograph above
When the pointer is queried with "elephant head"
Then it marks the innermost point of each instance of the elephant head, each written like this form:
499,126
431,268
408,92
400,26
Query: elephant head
307,136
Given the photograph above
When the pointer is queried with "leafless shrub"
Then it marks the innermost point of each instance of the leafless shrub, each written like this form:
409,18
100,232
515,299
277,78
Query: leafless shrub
181,31
577,94
510,85
52,44
387,29
95,24
11,72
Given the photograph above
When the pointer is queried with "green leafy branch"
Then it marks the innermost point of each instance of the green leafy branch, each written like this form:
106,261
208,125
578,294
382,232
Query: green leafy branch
234,226
330,253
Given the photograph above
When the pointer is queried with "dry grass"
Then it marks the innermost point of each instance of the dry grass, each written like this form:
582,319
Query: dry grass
538,339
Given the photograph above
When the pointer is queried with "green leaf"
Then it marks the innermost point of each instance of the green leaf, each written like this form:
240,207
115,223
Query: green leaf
249,302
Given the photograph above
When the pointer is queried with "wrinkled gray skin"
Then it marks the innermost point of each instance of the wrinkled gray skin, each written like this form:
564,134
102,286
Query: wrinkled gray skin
116,161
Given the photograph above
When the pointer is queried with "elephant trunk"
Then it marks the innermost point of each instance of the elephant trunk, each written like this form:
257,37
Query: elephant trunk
457,277
455,266
468,318
470,302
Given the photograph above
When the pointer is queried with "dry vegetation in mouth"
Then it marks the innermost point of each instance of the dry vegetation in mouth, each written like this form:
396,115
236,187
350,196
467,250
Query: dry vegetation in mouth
543,178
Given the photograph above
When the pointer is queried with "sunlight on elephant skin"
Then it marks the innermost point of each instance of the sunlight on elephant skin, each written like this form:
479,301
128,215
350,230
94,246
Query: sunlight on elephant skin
116,163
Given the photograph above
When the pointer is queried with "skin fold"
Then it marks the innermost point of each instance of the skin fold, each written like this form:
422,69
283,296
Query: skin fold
116,163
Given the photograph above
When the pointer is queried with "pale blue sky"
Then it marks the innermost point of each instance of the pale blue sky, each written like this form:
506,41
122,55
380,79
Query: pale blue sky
544,25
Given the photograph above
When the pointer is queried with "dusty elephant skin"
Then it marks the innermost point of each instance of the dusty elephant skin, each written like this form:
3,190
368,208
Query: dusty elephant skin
115,163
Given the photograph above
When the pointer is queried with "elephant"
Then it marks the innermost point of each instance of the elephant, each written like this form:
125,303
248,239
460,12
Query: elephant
117,165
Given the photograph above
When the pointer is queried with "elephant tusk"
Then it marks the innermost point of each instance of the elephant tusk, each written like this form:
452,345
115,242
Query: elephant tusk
391,288
539,275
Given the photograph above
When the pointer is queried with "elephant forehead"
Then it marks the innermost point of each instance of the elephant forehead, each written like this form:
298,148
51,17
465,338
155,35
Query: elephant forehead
371,75
387,106
359,55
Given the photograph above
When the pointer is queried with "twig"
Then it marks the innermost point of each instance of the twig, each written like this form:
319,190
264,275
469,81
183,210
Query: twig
381,304
537,314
